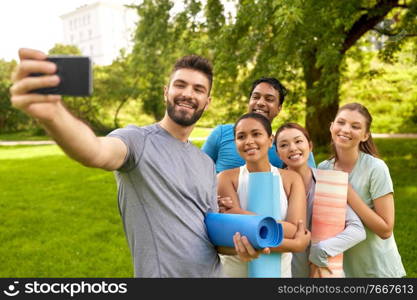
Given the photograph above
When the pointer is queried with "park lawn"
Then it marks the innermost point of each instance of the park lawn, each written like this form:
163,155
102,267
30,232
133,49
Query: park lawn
28,135
60,219
400,156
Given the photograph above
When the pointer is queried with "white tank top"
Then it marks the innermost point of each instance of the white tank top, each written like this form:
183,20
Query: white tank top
232,265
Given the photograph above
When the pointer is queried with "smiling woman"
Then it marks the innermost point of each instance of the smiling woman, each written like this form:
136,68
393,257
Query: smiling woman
253,138
370,194
294,146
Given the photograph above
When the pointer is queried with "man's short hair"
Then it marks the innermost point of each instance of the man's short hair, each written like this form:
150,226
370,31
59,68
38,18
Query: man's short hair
197,63
282,91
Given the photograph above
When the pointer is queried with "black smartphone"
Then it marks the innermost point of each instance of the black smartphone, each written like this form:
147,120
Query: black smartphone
75,75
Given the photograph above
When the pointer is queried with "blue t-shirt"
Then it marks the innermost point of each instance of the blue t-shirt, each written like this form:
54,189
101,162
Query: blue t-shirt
221,147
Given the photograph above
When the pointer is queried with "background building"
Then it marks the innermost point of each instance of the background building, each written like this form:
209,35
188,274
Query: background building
100,30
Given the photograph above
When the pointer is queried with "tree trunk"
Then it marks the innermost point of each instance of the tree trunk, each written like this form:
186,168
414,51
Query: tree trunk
322,93
116,115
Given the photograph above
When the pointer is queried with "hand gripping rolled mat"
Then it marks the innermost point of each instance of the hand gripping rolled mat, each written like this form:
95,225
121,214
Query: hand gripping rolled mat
329,211
263,199
261,231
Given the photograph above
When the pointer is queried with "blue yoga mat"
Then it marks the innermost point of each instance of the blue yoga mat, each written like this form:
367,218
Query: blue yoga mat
263,199
261,231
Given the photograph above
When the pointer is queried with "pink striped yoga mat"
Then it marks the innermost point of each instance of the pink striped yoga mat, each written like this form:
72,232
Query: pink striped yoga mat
329,211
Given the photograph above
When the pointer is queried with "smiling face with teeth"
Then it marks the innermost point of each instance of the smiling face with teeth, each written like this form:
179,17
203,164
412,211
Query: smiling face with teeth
252,141
293,147
265,101
187,96
348,129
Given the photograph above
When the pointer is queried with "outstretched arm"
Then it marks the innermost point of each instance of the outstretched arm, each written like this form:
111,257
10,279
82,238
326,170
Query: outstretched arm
72,135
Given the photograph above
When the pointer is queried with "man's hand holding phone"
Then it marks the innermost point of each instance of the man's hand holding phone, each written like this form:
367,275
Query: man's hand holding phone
43,107
39,82
75,76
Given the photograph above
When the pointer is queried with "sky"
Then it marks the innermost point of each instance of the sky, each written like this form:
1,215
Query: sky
34,23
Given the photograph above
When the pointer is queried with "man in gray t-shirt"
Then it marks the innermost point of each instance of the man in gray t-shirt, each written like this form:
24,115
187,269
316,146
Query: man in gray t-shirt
165,188
166,185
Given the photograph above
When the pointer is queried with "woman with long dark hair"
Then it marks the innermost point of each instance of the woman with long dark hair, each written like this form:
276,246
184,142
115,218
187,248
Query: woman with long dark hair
294,147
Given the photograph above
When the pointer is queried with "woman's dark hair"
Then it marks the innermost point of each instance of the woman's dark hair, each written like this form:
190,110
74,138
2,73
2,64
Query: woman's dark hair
260,118
293,126
282,91
367,146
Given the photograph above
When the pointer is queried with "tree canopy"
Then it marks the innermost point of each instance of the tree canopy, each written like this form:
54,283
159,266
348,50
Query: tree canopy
313,47
303,43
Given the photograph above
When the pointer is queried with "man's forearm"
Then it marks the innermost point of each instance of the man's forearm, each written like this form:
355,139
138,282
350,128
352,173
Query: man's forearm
76,139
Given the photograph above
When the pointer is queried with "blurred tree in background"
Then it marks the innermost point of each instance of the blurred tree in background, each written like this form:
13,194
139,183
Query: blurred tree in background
326,53
10,119
62,49
306,44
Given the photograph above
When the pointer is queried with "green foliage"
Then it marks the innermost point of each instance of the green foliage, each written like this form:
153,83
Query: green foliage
320,50
11,119
303,43
151,54
61,49
114,87
388,90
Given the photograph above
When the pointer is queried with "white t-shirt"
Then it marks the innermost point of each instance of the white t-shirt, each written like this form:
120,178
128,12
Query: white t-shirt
232,265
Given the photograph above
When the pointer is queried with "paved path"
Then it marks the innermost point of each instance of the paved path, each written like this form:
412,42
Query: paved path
14,143
375,135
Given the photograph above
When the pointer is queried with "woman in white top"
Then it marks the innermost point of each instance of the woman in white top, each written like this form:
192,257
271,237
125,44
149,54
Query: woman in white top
253,137
294,146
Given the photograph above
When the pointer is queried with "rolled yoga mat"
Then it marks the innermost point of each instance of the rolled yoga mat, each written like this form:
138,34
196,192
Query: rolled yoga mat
329,212
261,231
263,199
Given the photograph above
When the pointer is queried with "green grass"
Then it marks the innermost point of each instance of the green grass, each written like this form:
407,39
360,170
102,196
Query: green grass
60,219
400,156
23,136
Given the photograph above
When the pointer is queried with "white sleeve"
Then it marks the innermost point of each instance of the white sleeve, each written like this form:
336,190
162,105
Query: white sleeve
353,234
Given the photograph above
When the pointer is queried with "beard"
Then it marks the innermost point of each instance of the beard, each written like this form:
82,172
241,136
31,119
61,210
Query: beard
180,117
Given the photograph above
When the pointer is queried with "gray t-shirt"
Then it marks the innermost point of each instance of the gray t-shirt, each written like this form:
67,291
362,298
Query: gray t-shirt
165,188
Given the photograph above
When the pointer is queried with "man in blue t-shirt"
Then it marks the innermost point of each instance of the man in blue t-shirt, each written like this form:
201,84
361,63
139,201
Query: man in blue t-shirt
266,98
